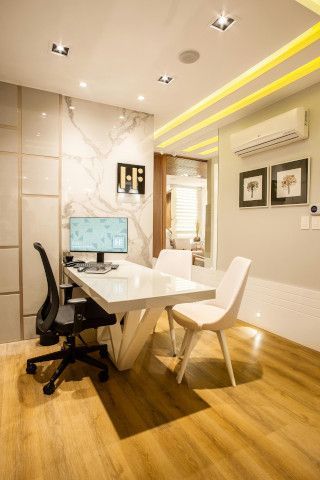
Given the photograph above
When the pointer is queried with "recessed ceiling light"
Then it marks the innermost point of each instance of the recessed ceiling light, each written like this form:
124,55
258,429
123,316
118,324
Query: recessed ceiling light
83,84
121,117
141,98
222,23
165,79
72,107
43,114
60,49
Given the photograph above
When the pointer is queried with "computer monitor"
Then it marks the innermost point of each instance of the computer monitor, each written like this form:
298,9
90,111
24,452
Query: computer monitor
99,234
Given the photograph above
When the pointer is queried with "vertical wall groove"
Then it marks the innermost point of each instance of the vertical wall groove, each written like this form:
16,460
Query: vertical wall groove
20,207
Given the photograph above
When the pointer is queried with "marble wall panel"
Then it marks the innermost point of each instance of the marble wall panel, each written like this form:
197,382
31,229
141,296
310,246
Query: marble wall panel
95,138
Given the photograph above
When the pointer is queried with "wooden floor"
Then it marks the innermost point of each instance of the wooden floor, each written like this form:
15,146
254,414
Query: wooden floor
142,425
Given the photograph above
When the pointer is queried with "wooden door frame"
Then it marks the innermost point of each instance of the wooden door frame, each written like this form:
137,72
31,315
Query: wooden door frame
159,203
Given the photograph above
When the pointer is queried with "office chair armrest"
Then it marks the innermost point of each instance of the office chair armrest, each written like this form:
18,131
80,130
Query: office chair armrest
79,310
64,286
68,289
75,301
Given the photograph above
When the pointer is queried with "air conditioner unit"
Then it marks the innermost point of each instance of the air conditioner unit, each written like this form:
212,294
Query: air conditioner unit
288,127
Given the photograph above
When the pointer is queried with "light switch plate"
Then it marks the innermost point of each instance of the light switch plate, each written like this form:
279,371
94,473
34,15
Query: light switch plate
305,222
315,223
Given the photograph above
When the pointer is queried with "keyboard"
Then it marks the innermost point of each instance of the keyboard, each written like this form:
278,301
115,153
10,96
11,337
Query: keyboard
95,267
98,268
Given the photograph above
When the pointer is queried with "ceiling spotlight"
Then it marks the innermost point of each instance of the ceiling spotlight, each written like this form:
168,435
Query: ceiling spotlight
60,49
141,98
121,117
43,114
165,79
222,23
72,107
83,84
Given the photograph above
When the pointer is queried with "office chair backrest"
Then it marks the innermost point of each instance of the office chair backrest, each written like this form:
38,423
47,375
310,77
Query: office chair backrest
175,262
48,312
230,290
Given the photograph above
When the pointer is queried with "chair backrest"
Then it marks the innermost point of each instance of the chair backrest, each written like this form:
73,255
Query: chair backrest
48,312
230,290
175,262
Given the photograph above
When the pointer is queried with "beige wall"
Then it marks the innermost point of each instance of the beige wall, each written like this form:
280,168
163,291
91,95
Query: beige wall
271,237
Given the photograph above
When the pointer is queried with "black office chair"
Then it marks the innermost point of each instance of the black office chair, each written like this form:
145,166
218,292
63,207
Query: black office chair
69,320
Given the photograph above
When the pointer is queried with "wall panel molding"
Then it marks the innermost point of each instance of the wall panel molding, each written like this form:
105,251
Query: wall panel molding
286,310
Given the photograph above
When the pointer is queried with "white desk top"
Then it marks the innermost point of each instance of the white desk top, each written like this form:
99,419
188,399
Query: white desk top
134,287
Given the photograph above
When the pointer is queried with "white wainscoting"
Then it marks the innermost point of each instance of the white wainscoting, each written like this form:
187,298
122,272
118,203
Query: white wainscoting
287,310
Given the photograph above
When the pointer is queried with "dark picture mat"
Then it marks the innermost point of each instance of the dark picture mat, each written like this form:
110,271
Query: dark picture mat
128,183
304,164
254,173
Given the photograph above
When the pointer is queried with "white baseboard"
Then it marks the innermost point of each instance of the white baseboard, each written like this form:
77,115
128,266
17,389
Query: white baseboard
287,310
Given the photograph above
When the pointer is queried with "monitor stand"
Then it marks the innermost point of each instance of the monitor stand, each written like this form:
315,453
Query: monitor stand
100,257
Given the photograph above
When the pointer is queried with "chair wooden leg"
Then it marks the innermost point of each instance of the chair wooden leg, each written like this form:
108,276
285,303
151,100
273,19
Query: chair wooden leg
184,341
172,331
224,347
190,343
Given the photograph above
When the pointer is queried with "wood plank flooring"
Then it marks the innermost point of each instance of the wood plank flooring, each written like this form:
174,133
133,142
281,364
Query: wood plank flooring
143,425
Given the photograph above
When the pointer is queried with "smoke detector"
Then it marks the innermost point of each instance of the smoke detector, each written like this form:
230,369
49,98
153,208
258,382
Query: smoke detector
189,56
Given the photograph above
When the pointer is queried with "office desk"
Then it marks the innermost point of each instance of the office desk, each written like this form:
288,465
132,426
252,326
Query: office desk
139,294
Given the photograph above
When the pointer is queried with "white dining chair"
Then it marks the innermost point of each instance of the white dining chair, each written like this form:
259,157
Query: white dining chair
215,315
179,264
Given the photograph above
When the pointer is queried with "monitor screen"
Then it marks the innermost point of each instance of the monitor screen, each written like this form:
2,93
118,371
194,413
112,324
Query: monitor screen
95,234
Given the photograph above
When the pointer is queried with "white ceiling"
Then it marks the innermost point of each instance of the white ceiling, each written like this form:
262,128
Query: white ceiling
121,47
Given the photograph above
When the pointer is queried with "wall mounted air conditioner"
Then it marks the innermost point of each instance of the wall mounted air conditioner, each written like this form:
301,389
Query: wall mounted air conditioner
288,127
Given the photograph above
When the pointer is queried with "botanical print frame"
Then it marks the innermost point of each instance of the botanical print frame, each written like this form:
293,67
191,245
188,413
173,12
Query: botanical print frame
131,178
290,183
253,188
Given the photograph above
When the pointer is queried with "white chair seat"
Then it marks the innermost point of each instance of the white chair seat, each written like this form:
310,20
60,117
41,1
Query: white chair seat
195,317
198,316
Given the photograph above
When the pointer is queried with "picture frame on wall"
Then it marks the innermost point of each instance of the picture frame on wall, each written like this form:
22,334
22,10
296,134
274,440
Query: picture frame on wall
290,183
131,178
253,188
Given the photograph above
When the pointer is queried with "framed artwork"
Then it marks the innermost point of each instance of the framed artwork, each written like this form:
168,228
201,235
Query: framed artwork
290,183
131,178
253,190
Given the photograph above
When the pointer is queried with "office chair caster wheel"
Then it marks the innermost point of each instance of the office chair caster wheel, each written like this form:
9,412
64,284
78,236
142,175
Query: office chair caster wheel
103,375
31,368
103,351
49,388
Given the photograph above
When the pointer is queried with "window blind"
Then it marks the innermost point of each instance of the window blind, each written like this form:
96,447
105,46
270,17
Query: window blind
186,207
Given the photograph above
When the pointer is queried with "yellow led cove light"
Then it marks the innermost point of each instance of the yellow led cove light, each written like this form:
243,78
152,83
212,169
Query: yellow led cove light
201,144
313,5
244,102
285,52
211,150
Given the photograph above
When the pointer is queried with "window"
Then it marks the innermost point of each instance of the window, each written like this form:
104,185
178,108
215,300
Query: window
186,211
